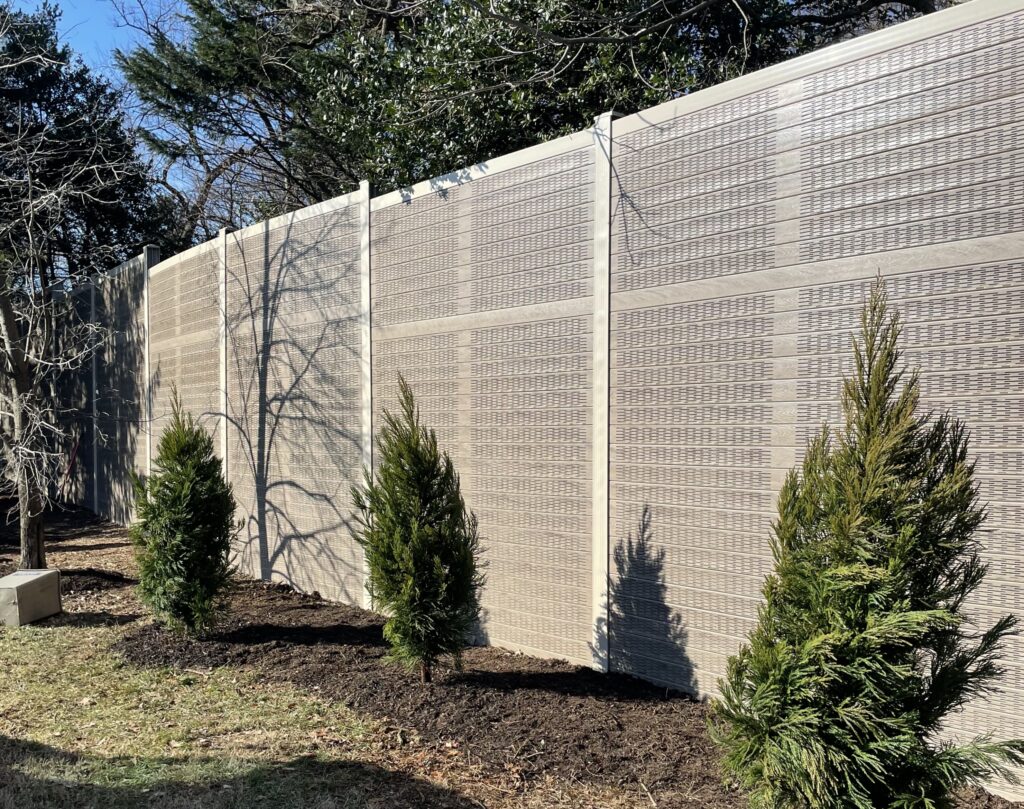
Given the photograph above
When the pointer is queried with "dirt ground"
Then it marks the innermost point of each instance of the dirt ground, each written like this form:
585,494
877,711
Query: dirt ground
519,723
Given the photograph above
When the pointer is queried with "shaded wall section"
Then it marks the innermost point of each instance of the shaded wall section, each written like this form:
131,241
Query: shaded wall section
120,375
293,370
748,222
481,298
76,484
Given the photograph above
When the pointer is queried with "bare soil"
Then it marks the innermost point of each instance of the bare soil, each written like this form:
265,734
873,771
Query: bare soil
513,718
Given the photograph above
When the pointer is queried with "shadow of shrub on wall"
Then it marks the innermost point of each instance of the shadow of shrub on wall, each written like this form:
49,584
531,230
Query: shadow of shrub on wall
645,636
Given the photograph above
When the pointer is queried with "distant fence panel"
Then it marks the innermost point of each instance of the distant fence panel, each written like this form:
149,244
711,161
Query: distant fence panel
625,338
294,397
186,338
749,220
120,388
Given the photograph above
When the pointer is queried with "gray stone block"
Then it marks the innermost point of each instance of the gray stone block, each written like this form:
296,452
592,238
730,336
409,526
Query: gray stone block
29,595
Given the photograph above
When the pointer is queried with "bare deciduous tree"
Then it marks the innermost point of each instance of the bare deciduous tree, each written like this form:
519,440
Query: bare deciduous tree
71,193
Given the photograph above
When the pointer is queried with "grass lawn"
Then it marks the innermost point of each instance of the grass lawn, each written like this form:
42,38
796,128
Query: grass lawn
80,729
291,704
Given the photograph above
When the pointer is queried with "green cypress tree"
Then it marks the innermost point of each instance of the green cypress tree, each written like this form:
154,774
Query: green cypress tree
862,646
185,513
421,542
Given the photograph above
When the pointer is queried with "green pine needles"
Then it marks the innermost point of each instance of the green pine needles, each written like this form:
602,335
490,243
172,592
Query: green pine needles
420,541
862,646
185,525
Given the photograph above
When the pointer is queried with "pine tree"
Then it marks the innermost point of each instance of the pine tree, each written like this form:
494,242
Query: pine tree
421,543
862,646
185,526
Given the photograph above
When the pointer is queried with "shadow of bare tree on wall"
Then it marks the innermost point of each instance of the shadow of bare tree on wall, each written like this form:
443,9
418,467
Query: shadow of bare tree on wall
645,636
294,369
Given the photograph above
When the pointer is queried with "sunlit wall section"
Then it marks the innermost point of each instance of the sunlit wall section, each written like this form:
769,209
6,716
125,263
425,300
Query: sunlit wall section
482,299
184,347
748,222
293,370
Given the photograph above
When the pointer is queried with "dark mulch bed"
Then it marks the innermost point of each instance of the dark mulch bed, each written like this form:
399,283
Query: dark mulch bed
510,712
504,710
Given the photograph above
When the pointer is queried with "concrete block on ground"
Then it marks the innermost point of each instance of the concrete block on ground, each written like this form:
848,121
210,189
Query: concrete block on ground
29,595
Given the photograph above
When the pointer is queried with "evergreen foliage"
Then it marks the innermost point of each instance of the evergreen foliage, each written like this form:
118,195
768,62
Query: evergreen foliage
420,541
862,647
185,526
297,103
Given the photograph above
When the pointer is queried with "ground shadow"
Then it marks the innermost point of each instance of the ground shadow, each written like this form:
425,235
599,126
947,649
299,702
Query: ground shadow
645,636
338,634
303,781
582,682
99,546
83,620
93,579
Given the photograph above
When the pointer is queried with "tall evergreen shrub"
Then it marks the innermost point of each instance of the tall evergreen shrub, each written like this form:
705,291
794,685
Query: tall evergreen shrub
863,647
420,541
185,513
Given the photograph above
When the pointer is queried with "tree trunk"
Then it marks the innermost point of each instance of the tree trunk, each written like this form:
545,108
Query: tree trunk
30,518
425,672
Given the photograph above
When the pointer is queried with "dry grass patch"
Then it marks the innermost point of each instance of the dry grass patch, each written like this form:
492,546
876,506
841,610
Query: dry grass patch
78,728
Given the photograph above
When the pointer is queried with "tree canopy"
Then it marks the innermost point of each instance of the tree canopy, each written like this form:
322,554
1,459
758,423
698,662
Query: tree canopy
266,105
75,199
60,120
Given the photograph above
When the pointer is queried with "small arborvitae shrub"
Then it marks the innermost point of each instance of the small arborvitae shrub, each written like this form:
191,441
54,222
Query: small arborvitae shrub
862,646
420,541
185,514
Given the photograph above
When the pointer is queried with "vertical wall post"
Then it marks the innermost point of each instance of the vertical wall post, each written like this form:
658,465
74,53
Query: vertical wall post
602,291
365,345
223,306
92,396
150,258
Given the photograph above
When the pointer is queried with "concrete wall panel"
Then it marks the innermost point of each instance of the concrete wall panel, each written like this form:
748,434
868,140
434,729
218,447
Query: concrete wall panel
481,299
748,222
293,373
121,416
184,348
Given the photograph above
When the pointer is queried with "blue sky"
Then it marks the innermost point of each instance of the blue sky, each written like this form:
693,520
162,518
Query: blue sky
92,28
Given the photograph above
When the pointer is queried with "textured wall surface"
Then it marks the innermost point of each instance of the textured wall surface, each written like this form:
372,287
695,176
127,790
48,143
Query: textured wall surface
748,221
184,348
120,388
482,300
293,372
76,394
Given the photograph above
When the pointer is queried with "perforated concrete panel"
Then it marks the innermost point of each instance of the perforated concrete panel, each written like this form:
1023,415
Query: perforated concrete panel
294,370
120,380
185,341
76,485
481,299
748,222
